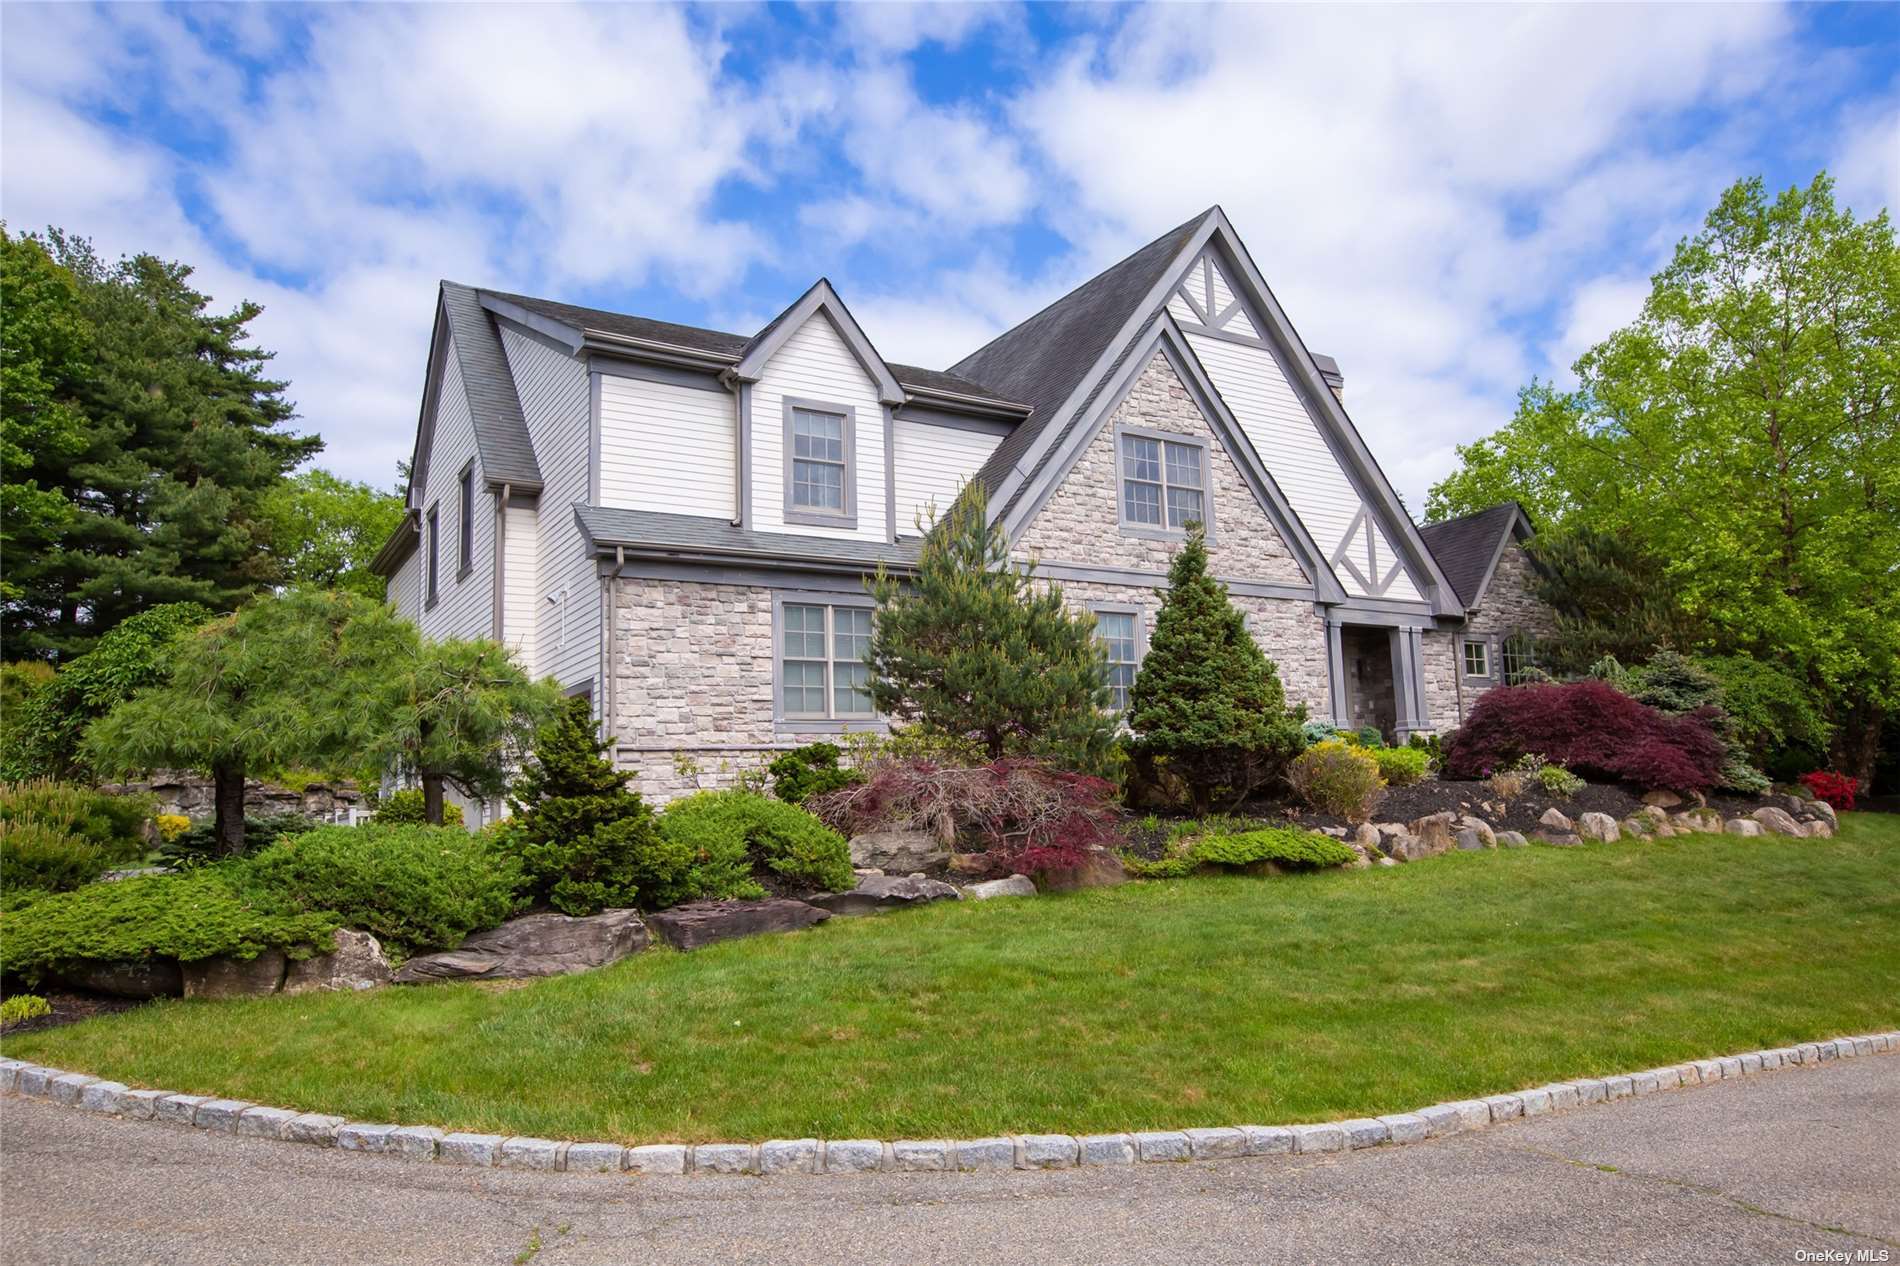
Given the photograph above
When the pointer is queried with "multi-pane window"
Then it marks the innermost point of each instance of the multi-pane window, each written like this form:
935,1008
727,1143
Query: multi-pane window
1116,629
819,461
1163,483
467,508
435,549
1517,653
822,673
1477,659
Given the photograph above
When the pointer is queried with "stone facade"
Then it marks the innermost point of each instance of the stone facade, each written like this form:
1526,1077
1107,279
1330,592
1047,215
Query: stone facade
193,796
1081,521
1508,605
1507,609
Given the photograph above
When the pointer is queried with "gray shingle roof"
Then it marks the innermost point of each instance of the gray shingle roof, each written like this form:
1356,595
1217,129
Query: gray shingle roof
1040,361
501,432
608,526
1464,547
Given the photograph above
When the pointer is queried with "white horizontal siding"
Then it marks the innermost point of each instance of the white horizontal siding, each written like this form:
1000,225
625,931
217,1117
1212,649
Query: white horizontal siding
405,587
1289,443
519,597
666,447
553,388
465,599
816,364
933,463
1182,312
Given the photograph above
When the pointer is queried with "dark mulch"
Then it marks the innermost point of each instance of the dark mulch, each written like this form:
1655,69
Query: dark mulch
69,1007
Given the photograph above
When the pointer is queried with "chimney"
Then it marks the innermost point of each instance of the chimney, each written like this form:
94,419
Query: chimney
1329,370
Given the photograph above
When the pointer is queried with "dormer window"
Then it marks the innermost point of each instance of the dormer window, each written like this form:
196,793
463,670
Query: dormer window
820,464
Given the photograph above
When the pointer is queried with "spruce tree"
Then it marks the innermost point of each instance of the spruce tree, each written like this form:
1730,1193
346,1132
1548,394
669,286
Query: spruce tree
1206,699
973,646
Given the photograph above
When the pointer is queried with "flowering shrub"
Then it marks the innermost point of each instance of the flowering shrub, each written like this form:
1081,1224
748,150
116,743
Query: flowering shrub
1028,815
171,826
1338,778
1837,790
1591,729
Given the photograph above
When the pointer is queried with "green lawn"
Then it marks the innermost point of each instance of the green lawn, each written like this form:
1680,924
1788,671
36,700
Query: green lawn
1204,1001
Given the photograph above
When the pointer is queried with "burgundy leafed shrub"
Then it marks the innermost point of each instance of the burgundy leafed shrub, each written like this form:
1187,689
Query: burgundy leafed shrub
1026,814
1837,790
1592,729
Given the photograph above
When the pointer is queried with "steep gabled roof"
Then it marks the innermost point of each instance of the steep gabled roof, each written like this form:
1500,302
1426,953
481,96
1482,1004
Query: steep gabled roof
1041,361
821,299
501,432
1467,548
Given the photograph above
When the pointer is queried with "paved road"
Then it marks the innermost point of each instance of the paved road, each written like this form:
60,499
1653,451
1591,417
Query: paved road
1749,1171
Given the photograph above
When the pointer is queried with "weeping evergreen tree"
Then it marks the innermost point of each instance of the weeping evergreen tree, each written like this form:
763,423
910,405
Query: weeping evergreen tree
1206,700
972,646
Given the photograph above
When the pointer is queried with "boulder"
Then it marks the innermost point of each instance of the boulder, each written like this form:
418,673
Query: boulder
1434,831
898,851
1702,821
234,977
1780,821
1599,826
1555,820
1660,799
1511,839
1469,841
971,864
534,945
1483,829
700,923
1817,829
1014,886
1743,826
1101,869
1368,836
1825,811
145,978
357,962
1557,839
1409,848
876,893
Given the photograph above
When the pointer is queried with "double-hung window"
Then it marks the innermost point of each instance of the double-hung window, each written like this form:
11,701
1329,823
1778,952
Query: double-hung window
819,480
1117,633
1164,483
1477,657
822,673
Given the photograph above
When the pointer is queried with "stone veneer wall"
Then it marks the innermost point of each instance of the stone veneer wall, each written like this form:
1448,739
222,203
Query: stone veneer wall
1081,522
1508,608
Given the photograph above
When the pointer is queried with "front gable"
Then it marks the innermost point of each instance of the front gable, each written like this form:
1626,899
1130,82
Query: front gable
1081,519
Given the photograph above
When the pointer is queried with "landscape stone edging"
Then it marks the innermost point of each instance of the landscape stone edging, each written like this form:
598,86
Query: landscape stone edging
814,1156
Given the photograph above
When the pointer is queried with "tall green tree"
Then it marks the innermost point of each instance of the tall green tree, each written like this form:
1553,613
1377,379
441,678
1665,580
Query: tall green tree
276,685
973,646
140,448
1206,699
325,530
1745,429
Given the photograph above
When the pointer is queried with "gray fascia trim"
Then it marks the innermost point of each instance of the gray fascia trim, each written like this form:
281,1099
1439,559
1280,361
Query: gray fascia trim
1383,612
890,475
593,437
653,350
924,416
1012,486
645,371
787,575
1444,599
557,332
1163,532
1136,578
1000,410
818,518
744,407
431,393
400,545
822,298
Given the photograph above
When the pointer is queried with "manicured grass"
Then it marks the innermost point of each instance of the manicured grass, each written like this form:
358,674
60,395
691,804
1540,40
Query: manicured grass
1202,1001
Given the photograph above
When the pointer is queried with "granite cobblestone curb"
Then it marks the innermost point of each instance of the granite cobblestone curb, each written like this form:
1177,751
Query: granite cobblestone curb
818,1156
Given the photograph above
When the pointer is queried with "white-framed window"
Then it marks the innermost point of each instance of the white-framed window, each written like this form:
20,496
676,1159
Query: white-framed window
820,463
821,668
1120,635
1477,657
1163,483
1517,653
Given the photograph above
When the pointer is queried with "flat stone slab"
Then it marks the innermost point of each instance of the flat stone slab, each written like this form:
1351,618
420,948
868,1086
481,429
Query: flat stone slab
877,893
594,1158
921,1155
360,1137
852,1156
468,1149
530,1153
1318,1138
1014,886
701,923
1106,1149
533,946
313,1127
788,1156
658,1158
993,1153
1163,1145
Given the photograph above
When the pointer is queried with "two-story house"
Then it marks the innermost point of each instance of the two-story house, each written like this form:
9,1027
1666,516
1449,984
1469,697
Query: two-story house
677,522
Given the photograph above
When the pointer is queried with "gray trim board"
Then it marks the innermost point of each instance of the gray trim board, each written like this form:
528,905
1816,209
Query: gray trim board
744,406
890,475
787,576
820,298
546,328
848,518
671,375
954,422
593,436
1161,531
1084,573
536,333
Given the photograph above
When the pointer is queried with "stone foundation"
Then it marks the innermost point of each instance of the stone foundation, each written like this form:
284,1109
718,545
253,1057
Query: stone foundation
194,796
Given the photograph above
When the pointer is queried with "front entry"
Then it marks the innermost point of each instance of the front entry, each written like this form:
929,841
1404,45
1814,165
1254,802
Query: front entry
1371,692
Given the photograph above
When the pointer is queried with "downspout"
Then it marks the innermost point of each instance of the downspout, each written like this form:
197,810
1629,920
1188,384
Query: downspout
501,563
613,649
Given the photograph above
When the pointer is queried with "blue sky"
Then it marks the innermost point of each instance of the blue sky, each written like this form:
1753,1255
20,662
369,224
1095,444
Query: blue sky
1448,200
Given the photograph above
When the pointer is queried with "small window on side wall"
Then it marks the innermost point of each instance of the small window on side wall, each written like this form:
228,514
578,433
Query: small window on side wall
1516,656
435,551
466,554
1116,630
1477,658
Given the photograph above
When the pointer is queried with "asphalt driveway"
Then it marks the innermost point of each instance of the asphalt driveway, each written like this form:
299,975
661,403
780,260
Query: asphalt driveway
1756,1170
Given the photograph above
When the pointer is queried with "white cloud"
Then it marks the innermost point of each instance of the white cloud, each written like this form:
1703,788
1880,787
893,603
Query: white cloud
1866,165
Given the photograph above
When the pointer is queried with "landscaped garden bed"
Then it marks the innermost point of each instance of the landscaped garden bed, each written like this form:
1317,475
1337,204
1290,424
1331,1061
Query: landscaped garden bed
1145,1005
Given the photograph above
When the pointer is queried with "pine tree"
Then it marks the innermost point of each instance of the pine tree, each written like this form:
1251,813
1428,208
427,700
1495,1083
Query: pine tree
972,646
1206,699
